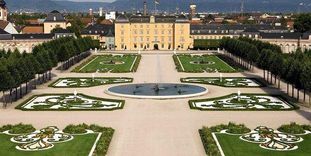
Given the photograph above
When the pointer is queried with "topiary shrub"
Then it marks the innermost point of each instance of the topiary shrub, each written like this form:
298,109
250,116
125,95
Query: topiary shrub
292,128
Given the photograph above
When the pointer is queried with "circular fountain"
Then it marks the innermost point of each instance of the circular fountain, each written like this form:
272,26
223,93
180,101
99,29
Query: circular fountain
157,91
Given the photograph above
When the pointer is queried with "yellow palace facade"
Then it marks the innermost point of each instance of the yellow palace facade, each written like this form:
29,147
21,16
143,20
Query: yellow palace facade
152,33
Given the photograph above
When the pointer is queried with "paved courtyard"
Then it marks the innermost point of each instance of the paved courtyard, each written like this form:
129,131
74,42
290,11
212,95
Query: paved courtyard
154,127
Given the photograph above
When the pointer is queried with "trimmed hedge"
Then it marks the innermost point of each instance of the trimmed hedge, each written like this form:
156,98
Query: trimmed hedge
76,129
208,141
135,67
204,44
294,128
177,64
18,128
103,142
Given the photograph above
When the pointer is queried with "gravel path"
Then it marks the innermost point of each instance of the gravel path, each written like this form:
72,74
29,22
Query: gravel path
154,127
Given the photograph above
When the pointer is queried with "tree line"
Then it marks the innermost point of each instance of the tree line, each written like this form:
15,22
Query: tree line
34,68
293,68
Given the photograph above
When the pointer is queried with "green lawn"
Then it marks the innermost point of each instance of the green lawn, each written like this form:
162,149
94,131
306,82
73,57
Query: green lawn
80,146
234,146
202,63
110,63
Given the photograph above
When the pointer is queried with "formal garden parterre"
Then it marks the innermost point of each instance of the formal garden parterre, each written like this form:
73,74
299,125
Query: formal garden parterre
238,140
117,63
74,140
69,102
202,63
80,82
225,81
244,102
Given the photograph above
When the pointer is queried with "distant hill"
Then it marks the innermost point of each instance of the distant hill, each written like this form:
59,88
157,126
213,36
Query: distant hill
33,5
165,5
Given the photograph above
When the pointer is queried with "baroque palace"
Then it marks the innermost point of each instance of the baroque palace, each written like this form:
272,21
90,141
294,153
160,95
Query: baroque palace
152,33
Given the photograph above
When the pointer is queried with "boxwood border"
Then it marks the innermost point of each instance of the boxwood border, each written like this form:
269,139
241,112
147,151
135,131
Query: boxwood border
259,81
282,97
52,85
87,96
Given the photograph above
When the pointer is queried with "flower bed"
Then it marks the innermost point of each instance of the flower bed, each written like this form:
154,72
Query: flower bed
77,82
225,81
69,102
244,102
52,141
262,140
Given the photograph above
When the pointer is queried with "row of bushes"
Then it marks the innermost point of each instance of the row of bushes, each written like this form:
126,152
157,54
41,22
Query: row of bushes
135,67
104,141
177,64
205,44
18,128
209,143
294,128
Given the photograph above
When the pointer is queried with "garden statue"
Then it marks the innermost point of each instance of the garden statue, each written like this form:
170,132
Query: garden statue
75,94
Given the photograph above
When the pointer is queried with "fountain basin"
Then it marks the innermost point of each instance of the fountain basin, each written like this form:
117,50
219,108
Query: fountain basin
157,91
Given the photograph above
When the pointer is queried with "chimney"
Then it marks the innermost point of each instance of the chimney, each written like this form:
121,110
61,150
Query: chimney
145,8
